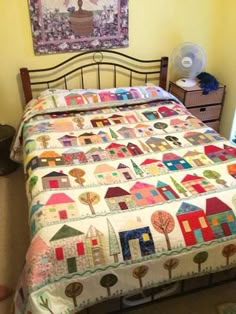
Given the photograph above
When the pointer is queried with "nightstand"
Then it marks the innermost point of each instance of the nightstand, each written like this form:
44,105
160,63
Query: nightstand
7,133
207,107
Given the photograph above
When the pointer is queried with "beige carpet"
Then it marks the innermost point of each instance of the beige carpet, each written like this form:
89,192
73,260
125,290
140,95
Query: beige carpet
227,308
14,239
14,235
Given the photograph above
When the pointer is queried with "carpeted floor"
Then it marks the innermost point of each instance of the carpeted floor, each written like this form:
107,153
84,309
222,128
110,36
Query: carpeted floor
14,239
227,308
14,235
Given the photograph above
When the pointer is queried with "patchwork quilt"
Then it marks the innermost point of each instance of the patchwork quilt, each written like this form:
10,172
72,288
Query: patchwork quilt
127,191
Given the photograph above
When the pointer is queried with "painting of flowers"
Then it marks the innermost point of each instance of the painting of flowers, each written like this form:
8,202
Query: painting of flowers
74,25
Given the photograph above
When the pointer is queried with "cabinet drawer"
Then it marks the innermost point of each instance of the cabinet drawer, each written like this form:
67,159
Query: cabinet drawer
206,113
214,125
193,96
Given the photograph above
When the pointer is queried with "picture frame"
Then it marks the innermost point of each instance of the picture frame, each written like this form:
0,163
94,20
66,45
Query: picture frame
75,25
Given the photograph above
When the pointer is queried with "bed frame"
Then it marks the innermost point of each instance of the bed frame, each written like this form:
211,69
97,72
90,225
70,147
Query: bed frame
122,70
124,305
119,67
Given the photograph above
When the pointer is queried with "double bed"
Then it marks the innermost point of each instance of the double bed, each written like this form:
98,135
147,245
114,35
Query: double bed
127,191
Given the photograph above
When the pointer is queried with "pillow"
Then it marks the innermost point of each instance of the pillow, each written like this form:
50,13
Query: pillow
111,94
60,100
51,91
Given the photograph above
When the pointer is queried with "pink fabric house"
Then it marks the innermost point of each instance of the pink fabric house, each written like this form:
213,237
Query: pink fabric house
145,194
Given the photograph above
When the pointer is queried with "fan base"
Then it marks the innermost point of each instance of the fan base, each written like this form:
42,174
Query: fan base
186,82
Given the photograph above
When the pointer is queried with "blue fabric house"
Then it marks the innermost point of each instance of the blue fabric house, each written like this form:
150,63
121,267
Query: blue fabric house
175,162
136,243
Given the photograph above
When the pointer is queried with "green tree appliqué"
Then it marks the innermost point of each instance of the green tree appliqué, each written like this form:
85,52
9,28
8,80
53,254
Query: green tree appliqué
114,247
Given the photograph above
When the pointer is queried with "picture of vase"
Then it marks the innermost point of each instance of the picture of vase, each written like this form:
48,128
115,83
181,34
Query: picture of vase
75,25
81,21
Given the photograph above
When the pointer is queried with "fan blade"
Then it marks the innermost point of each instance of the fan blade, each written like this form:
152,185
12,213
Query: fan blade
188,48
196,68
179,66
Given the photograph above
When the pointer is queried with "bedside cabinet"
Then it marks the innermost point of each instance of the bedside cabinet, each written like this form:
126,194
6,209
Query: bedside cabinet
7,133
207,108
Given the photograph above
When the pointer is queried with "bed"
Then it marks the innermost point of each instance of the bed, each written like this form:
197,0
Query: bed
127,191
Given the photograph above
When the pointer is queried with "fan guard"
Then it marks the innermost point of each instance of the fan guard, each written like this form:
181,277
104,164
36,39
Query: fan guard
188,60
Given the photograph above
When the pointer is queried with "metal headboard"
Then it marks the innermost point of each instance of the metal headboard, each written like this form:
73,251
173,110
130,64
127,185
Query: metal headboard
95,63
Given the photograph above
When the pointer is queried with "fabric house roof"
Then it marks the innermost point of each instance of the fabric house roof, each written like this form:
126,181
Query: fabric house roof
116,192
187,208
66,232
58,198
215,206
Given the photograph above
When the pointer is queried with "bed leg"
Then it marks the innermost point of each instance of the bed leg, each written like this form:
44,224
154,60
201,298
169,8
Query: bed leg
210,280
152,295
121,303
182,286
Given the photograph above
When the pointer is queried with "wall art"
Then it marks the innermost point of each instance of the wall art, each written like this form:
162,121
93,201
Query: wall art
74,25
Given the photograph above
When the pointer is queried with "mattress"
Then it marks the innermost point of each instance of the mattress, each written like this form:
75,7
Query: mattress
126,190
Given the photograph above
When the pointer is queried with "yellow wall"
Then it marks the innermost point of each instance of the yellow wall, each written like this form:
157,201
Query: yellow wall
155,28
224,59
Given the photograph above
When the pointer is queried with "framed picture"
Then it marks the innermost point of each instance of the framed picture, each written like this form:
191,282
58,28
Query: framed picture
74,25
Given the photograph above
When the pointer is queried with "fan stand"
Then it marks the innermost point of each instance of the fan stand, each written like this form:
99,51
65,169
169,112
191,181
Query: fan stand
186,82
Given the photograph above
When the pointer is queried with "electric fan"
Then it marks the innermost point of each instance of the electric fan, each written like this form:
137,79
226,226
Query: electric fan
188,60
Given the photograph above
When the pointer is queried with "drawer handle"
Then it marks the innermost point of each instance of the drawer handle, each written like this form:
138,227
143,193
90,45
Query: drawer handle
203,109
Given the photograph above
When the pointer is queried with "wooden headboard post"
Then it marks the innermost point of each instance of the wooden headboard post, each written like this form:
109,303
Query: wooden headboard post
163,72
25,78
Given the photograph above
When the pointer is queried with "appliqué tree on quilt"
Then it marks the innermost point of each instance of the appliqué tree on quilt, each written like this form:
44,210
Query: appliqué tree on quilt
73,25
